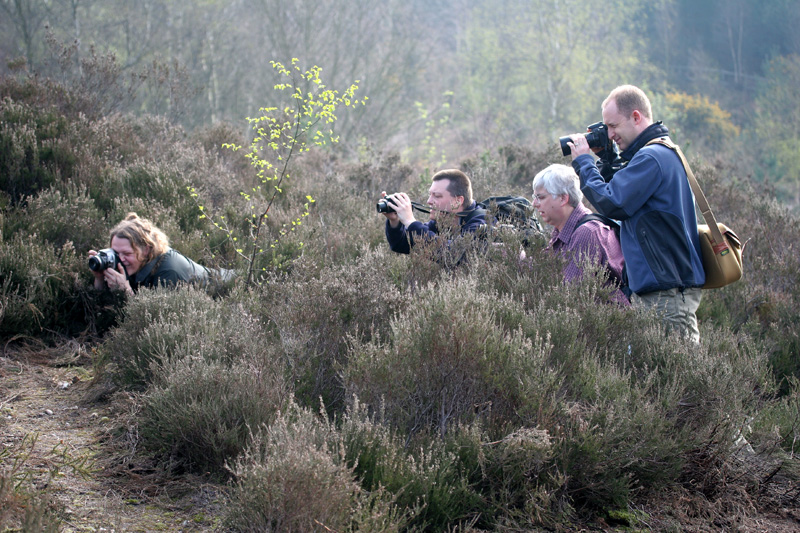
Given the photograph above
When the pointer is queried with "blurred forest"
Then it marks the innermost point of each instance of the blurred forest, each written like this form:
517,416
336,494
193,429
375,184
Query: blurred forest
445,78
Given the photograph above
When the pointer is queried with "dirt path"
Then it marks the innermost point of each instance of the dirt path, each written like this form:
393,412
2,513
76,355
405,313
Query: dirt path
44,415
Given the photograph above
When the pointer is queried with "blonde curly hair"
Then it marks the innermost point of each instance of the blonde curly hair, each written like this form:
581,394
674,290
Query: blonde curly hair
146,239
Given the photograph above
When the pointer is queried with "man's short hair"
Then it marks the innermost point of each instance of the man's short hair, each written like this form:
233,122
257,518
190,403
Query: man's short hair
630,98
142,234
459,184
557,180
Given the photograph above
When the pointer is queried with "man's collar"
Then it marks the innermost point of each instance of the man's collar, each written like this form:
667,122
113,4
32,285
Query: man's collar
653,131
565,234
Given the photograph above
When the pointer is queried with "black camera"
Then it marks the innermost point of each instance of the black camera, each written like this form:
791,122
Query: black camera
597,137
106,258
385,205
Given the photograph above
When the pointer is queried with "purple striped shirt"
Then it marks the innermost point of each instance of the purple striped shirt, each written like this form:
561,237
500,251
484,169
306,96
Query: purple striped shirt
593,239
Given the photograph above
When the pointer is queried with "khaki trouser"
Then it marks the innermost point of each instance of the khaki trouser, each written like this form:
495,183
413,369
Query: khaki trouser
677,309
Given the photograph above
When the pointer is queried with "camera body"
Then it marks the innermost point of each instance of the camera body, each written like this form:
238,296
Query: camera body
597,137
385,204
105,258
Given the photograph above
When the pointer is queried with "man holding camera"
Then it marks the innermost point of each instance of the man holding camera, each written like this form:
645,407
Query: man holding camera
450,194
651,196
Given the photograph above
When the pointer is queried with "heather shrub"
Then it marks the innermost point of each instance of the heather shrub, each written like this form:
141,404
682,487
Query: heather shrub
429,478
41,292
200,408
765,302
161,325
379,172
59,215
778,423
314,318
448,361
342,224
512,167
30,148
293,478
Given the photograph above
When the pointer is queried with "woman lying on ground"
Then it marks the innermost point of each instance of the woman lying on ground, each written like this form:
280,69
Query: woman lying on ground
140,256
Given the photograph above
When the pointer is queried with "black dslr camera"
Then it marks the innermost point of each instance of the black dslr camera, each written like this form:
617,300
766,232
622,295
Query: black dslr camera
597,137
106,258
385,204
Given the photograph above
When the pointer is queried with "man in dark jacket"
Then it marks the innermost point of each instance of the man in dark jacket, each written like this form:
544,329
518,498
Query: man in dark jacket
450,195
652,198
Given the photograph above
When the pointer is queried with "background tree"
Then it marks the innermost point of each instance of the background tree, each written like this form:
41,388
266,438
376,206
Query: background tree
778,124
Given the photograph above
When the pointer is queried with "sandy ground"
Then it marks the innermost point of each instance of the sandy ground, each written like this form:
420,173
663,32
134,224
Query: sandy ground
107,490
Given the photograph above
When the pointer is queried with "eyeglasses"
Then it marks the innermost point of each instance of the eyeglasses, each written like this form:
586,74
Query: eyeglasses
540,197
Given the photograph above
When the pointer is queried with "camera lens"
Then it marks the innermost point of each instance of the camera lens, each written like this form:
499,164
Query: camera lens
565,149
96,264
384,206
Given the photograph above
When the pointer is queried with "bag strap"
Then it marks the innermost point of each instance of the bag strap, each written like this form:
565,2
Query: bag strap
604,220
699,197
151,276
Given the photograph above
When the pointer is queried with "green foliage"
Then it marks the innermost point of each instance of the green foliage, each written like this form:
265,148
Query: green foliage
282,133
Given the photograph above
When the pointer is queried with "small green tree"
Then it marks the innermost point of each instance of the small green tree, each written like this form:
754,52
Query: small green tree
281,134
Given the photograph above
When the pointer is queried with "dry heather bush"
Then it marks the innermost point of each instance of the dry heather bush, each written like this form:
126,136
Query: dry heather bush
510,170
57,216
293,478
448,361
199,411
31,151
161,325
765,303
379,172
342,222
315,317
41,292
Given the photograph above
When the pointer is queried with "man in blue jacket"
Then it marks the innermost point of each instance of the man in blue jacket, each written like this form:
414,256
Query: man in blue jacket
450,195
652,198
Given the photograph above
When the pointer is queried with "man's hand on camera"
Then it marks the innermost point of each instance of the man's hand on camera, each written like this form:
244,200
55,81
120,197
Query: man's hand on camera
404,213
579,145
393,219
